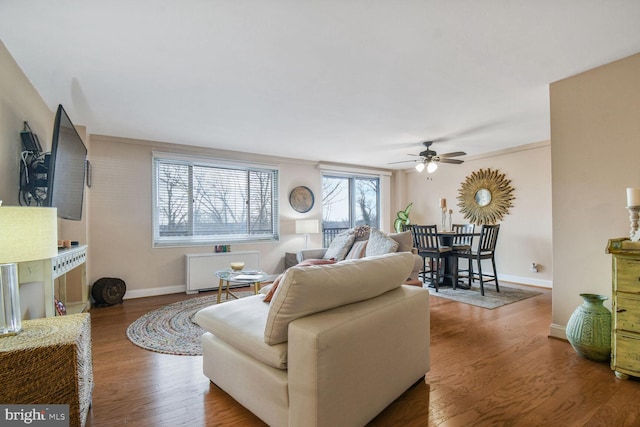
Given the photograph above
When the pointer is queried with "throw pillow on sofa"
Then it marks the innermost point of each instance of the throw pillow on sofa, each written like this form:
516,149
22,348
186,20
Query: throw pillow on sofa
339,247
380,243
404,239
358,249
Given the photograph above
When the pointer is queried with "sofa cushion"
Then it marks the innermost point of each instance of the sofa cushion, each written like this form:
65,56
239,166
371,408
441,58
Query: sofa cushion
358,249
380,243
340,246
274,285
404,239
307,290
240,323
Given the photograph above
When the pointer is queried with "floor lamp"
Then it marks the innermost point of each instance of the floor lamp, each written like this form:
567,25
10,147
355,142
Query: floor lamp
26,234
306,227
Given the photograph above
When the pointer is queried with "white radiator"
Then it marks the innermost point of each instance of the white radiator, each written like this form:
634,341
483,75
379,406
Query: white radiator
201,268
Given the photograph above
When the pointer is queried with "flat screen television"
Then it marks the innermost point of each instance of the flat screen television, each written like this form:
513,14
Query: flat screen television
67,166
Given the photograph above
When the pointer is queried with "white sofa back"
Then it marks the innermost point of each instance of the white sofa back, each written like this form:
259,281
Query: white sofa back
307,290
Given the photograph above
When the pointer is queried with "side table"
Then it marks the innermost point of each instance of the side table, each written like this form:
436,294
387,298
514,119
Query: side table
49,362
251,278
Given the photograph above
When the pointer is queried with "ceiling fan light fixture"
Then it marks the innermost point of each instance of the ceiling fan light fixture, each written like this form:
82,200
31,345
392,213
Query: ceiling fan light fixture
420,166
431,167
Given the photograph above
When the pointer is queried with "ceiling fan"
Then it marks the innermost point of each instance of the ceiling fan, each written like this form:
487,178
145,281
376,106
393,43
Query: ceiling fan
430,159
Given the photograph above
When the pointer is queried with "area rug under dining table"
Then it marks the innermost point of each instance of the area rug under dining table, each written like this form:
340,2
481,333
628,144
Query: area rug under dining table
491,298
171,329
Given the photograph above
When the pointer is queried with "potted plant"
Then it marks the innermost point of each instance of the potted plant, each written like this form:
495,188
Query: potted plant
402,218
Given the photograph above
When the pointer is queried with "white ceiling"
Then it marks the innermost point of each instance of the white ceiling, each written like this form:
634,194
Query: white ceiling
360,81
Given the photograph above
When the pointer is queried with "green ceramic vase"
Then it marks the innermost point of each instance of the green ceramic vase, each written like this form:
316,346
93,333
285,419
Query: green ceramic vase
589,328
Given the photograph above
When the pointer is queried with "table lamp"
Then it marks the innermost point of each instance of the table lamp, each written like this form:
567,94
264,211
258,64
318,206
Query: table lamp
26,234
306,227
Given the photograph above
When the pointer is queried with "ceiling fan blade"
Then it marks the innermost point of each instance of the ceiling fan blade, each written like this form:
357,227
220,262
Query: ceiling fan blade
454,154
452,161
403,161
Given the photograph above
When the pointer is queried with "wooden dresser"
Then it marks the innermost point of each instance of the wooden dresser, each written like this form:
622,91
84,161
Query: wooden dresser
625,307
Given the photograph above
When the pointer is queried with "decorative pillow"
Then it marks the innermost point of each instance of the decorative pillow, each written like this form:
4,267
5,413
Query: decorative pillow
404,239
380,244
274,285
272,290
358,249
361,232
308,290
339,247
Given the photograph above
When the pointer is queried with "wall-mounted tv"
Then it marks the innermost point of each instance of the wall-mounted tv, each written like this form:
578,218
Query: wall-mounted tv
67,166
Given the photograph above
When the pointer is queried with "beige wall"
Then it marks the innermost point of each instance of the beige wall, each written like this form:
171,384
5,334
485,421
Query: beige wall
525,233
595,134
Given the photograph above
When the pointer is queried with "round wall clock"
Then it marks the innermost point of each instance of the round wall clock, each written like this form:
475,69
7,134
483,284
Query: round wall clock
301,199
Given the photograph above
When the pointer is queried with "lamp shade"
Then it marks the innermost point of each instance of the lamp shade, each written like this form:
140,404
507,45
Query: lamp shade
27,233
431,167
307,226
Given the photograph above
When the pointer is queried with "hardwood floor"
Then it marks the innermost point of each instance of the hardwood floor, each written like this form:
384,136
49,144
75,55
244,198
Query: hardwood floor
488,368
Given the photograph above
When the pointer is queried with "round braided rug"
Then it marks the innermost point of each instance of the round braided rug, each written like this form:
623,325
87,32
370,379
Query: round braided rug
171,329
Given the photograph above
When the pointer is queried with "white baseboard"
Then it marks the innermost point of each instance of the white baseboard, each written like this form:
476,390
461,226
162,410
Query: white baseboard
558,331
165,290
526,281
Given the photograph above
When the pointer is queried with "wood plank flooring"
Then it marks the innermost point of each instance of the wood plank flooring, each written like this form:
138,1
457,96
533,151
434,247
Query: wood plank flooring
488,368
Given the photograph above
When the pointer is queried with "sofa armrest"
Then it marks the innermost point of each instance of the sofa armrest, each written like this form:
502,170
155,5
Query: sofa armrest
347,364
317,253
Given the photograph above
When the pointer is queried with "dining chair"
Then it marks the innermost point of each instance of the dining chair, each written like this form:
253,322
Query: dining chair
485,250
463,237
427,243
461,244
406,227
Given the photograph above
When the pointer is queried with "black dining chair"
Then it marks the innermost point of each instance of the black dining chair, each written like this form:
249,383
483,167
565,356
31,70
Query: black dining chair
406,227
463,237
485,250
427,243
461,244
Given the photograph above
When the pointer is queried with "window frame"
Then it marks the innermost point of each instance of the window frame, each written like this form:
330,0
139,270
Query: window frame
159,241
352,177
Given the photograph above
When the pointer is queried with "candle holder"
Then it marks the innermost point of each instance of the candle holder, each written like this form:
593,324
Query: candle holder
444,219
634,212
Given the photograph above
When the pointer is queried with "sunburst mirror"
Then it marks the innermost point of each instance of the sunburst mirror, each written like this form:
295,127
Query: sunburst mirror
485,196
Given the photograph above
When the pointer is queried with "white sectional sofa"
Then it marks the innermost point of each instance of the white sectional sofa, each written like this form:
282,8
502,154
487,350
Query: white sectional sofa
335,346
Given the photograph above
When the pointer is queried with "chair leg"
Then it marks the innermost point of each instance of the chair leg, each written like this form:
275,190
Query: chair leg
495,273
454,278
481,277
470,272
435,282
424,270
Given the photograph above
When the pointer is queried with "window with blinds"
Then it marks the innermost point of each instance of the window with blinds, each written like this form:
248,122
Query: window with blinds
199,202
